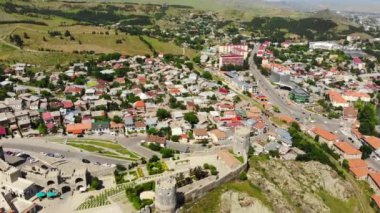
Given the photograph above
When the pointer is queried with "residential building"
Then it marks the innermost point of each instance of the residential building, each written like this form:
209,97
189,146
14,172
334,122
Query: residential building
358,168
299,95
156,139
200,134
346,150
374,181
324,136
373,142
217,136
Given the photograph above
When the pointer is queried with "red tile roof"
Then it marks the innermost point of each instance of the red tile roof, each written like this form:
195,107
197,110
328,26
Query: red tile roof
139,104
373,141
46,116
347,148
375,177
376,199
357,163
78,128
360,172
67,104
156,139
336,97
324,134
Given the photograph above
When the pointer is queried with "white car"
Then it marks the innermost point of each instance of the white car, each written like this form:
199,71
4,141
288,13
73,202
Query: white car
32,160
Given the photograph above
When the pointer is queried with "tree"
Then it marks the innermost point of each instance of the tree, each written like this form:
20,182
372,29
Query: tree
152,131
345,164
207,75
296,126
80,81
117,119
167,153
198,173
17,40
154,158
175,138
237,99
42,129
95,183
163,114
192,118
67,33
366,151
243,176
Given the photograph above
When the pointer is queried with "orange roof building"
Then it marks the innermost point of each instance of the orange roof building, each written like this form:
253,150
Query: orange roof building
376,199
355,96
347,151
357,163
324,135
360,173
78,128
336,99
287,119
372,141
374,181
139,105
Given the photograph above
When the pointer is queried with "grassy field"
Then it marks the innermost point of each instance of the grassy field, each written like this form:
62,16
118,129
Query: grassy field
99,39
167,47
102,147
45,60
336,205
85,40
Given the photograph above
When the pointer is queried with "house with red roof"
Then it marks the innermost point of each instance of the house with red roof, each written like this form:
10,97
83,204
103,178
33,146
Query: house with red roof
139,106
260,128
358,168
357,63
156,139
223,91
225,107
376,200
324,135
73,90
350,113
120,80
354,96
372,141
79,128
374,181
68,105
346,150
336,99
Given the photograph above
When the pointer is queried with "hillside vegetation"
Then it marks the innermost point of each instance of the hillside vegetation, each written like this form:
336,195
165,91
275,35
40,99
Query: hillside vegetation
284,186
56,32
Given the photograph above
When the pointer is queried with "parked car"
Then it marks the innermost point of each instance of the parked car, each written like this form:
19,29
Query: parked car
85,161
58,155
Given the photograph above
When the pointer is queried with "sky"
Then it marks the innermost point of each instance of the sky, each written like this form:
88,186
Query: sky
344,5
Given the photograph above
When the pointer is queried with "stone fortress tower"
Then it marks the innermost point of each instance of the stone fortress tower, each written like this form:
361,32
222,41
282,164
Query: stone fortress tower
241,141
165,198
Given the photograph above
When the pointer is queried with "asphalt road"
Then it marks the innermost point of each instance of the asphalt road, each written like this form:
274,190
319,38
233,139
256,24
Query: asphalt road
34,146
134,144
291,109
